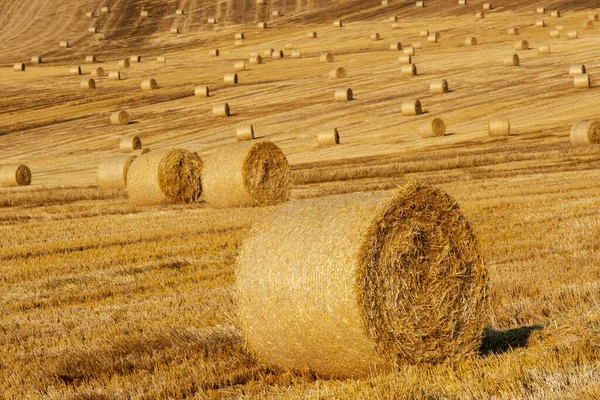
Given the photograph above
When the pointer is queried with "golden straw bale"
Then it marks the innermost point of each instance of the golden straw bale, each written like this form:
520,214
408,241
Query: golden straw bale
140,152
408,69
296,54
19,67
149,84
593,17
312,35
254,173
375,36
257,59
179,11
395,25
100,36
588,25
439,87
385,2
239,42
165,177
480,15
470,41
161,59
409,50
416,45
338,23
221,110
104,10
276,13
522,45
244,133
135,59
396,46
411,107
268,53
577,69
499,126
97,72
420,4
114,75
144,14
555,33
201,91
511,61
239,65
572,35
119,118
328,138
541,10
544,49
36,60
432,127
338,73
76,70
540,23
555,14
125,63
513,31
350,285
14,175
277,54
240,36
88,84
393,18
342,95
560,27
424,33
581,81
174,30
112,172
90,14
462,2
214,53
130,143
326,58
405,59
90,59
92,29
262,25
212,21
64,44
289,46
585,132
487,6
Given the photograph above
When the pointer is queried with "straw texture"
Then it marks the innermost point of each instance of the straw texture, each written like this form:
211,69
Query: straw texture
130,143
348,285
14,175
585,132
432,128
328,138
119,118
246,174
112,172
140,152
498,127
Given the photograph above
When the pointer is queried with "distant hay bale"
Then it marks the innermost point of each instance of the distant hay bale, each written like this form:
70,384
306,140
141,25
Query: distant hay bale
120,118
179,11
130,143
90,59
214,53
544,49
328,138
555,33
296,54
588,25
585,132
14,175
240,36
201,91
385,2
140,152
420,4
432,127
221,110
511,61
165,177
341,286
76,70
277,54
408,69
268,53
149,84
258,59
19,67
276,13
581,81
499,126
338,73
424,33
487,6
244,133
343,94
100,36
555,14
405,59
231,79
416,45
125,63
112,172
175,30
577,69
289,46
326,58
522,45
114,75
253,173
462,2
540,23
92,29
312,35
239,43
161,59
90,14
470,41
135,59
593,17
480,15
393,18
541,10
411,107
572,35
104,10
88,84
560,28
408,50
439,87
396,46
513,31
261,2
144,14
338,23
395,25
64,44
375,36
212,21
97,72
262,25
239,65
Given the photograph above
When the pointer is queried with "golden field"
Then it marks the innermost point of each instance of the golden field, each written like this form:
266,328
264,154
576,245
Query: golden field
101,299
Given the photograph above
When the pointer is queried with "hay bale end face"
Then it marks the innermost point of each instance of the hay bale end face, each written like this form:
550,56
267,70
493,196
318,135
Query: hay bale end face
231,79
511,61
119,118
326,58
328,138
88,84
130,143
439,87
19,67
14,175
499,127
221,110
76,70
343,95
338,73
522,45
201,91
433,127
585,132
356,257
165,177
244,133
149,84
125,63
246,174
581,81
112,172
411,107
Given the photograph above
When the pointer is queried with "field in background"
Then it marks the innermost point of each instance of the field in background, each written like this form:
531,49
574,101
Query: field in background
100,299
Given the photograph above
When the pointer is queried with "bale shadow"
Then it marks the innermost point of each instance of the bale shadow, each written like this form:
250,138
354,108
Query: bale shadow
502,341
449,134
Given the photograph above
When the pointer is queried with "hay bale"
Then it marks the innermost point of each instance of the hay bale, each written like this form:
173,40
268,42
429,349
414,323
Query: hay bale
144,14
36,60
385,2
577,69
408,69
522,45
328,138
92,29
114,75
100,36
588,25
289,46
174,30
256,59
14,175
511,61
239,65
135,59
411,107
416,45
212,21
480,15
420,4
277,54
540,23
338,23
161,59
140,152
239,43
130,143
555,14
268,53
393,18
424,33
572,35
64,44
433,127
555,33
395,25
343,95
439,87
104,10
375,36
560,28
19,67
179,11
88,84
149,84
90,14
544,49
408,50
120,118
214,53
513,31
349,285
97,72
462,2
405,59
396,46
585,132
76,70
326,58
90,59
470,41
165,177
312,35
201,91
296,54
581,81
541,10
244,133
239,36
246,174
112,172
262,25
125,63
487,6
593,17
221,110
338,73
276,13
499,126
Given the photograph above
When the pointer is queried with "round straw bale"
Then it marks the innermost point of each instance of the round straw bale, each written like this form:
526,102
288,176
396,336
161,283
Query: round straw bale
522,45
257,59
261,2
114,75
424,33
409,50
572,35
420,4
179,11
581,81
540,23
76,70
462,2
296,54
480,15
338,73
14,175
593,17
555,33
560,28
268,53
139,152
385,2
343,94
262,25
353,284
92,29
375,36
212,21
326,58
555,14
161,59
97,72
88,84
112,172
588,25
246,174
239,65
130,143
487,6
408,69
416,45
36,60
125,63
64,44
470,41
513,31
90,59
214,53
165,177
499,126
432,127
144,14
135,59
100,36
201,91
239,42
576,69
149,84
289,46
395,25
221,110
541,10
277,54
312,35
174,30
439,87
240,36
104,10
544,49
585,132
338,23
244,133
405,59
396,46
90,14
19,67
276,13
511,61
120,118
328,138
411,107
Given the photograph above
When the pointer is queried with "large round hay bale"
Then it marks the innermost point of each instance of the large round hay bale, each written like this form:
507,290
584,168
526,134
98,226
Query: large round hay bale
462,2
343,94
144,14
125,63
416,45
38,59
541,10
328,138
239,42
349,285
202,91
432,128
262,25
165,177
268,53
114,75
246,174
480,15
14,175
395,25
544,49
64,44
130,143
19,67
174,30
499,126
396,46
513,31
214,53
240,36
470,41
326,58
179,11
593,17
231,79
555,13
432,38
511,61
289,46
256,60
212,21
100,36
244,133
221,110
239,65
135,59
555,33
572,35
409,50
487,6
585,132
588,25
522,45
75,70
411,107
149,84
424,33
405,59
88,84
277,54
540,23
119,118
408,69
375,36
439,87
92,29
97,72
112,172
104,10
161,59
420,4
90,59
90,14
296,54
576,69
338,73
338,23
276,13
581,81
312,35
